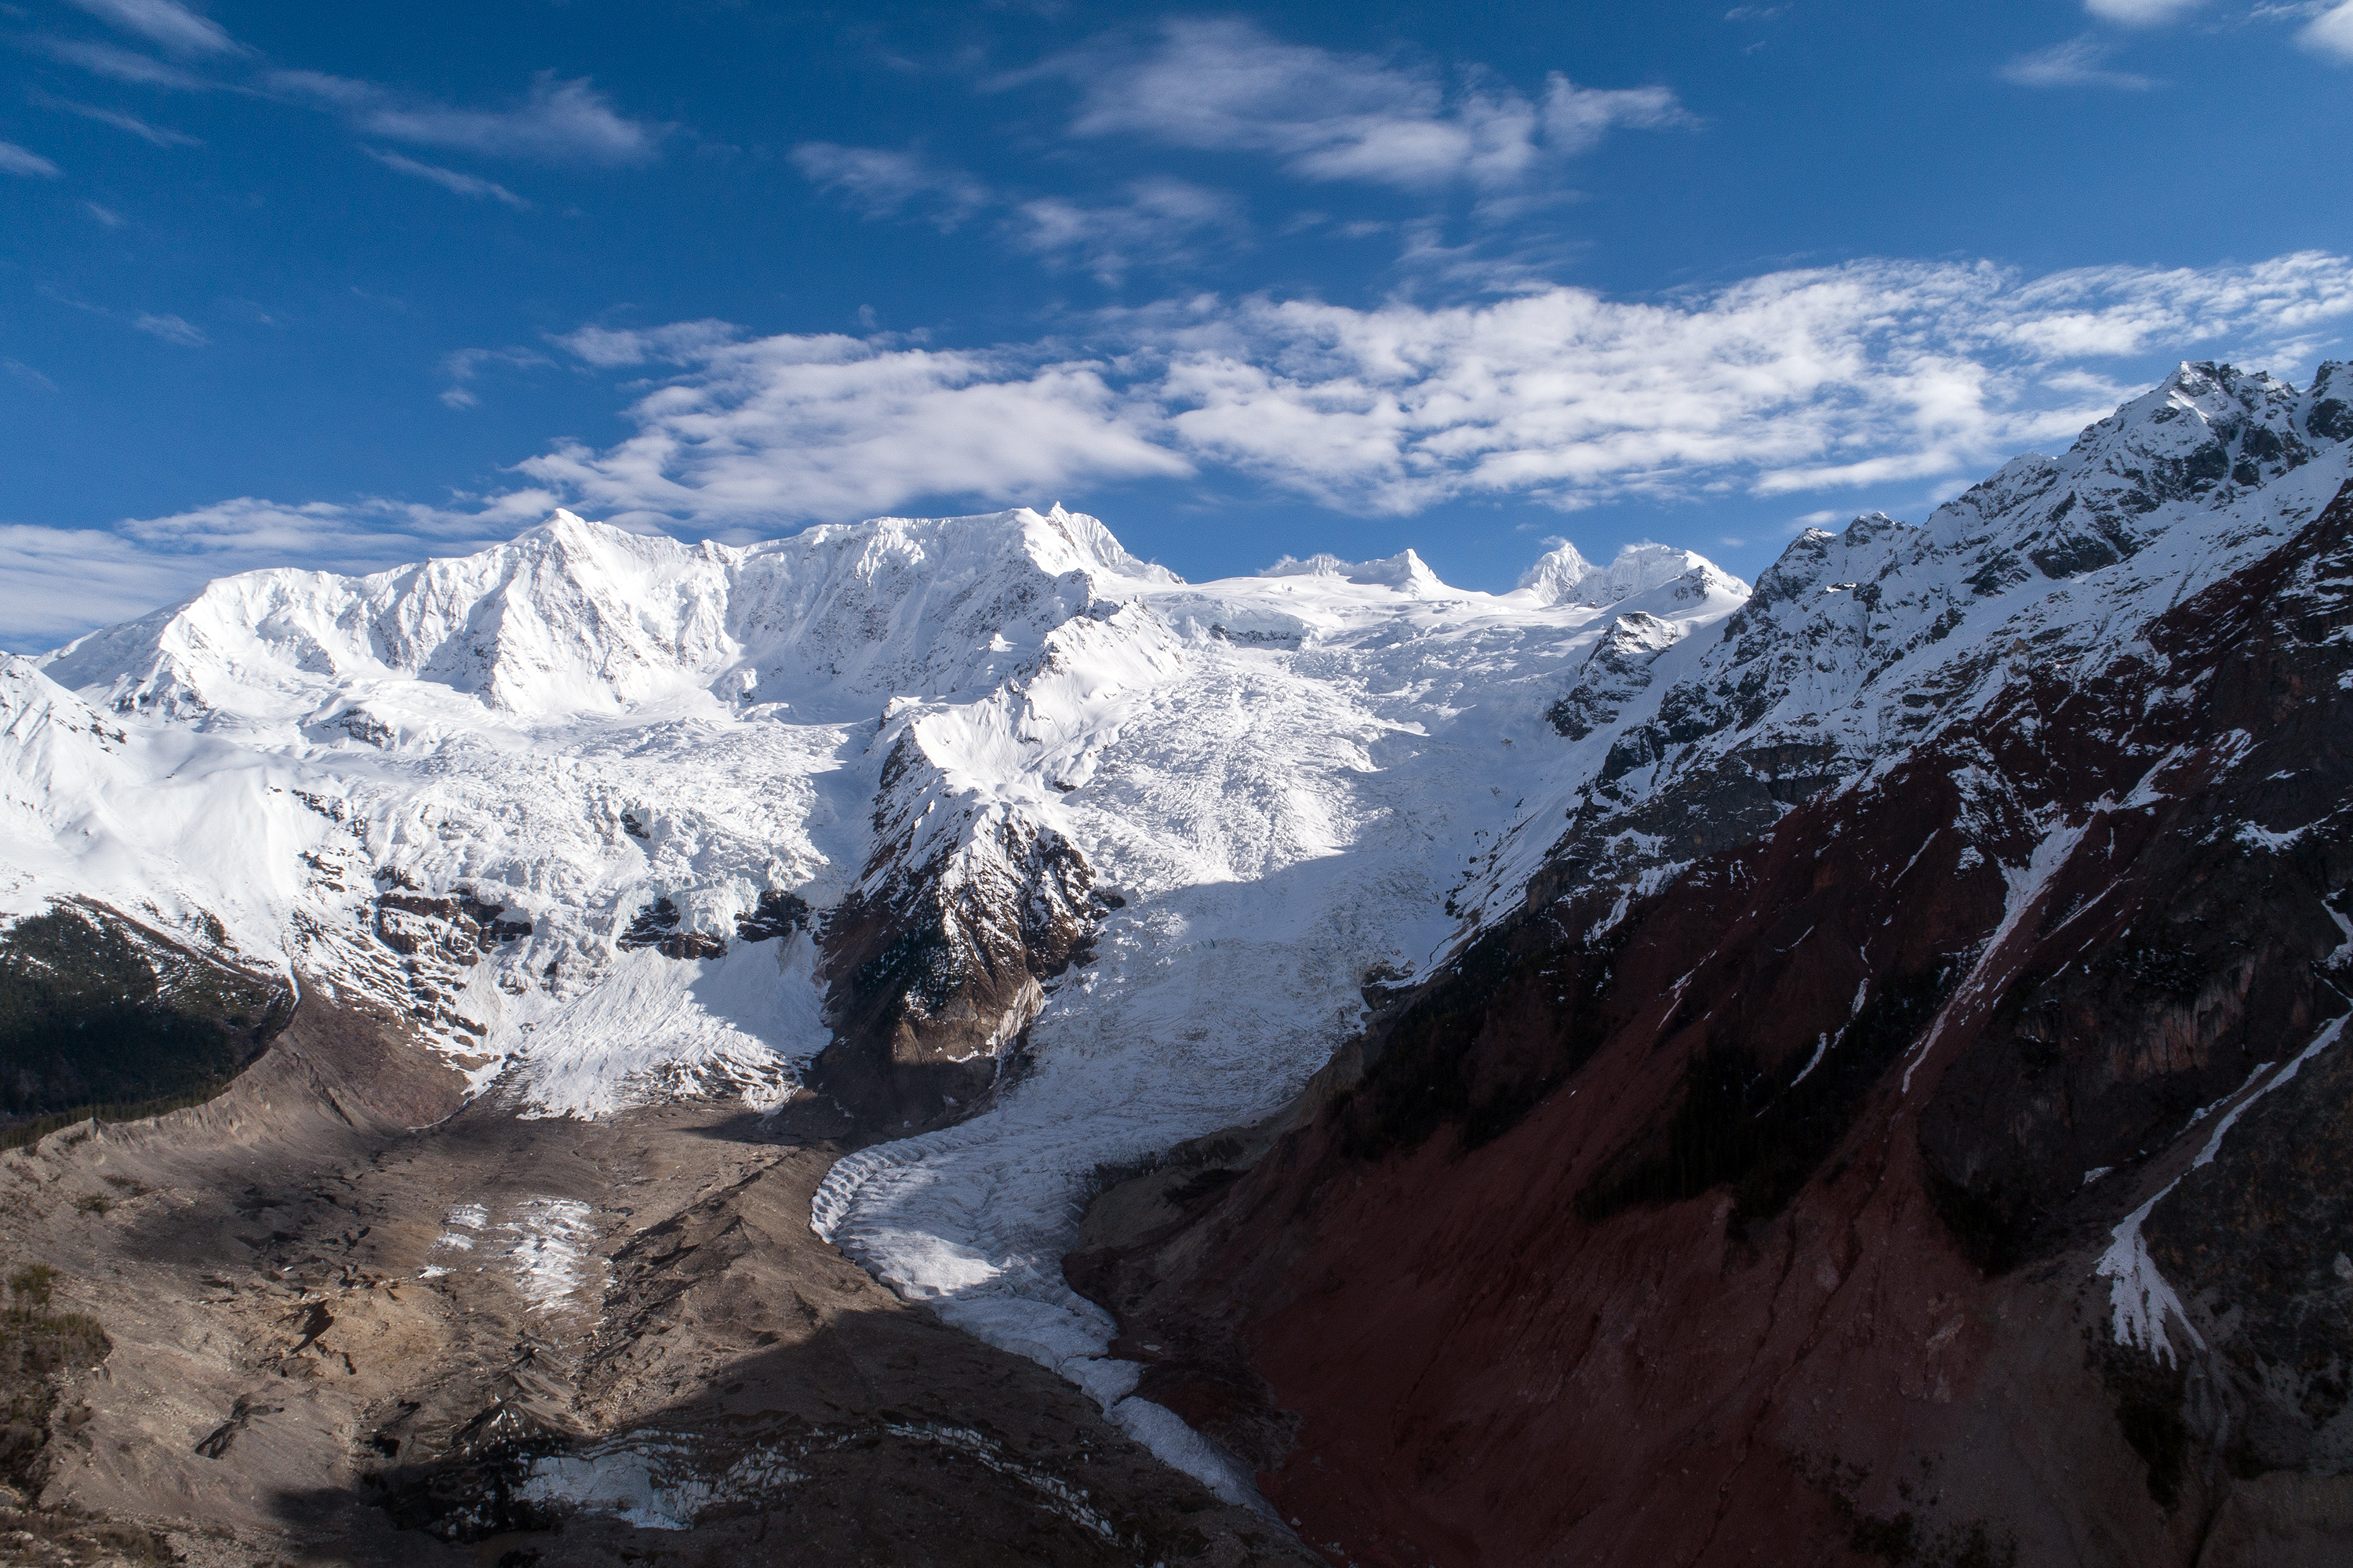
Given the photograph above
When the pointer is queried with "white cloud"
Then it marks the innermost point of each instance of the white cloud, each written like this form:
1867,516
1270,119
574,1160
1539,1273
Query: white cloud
2330,34
15,159
881,183
2141,13
1225,85
173,26
56,583
1793,382
772,431
172,329
1155,225
157,134
363,534
105,214
123,65
450,179
557,121
2078,62
1154,222
681,343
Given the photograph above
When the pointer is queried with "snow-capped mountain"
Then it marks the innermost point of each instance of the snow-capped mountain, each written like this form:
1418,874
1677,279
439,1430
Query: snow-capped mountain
1042,864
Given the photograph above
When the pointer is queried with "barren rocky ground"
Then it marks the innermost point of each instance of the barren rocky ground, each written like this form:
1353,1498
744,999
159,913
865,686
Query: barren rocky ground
331,1339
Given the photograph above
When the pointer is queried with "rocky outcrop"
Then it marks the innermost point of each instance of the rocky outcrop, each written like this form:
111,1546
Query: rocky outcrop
1951,1173
970,902
938,963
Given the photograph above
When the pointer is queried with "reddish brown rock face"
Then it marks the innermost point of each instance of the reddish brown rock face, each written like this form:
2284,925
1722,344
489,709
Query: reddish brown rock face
1764,1224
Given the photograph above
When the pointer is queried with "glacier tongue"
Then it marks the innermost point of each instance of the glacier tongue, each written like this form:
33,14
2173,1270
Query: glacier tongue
1283,790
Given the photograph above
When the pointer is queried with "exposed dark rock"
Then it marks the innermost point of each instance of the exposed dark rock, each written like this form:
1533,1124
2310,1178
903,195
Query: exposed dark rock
778,914
934,975
1617,668
656,927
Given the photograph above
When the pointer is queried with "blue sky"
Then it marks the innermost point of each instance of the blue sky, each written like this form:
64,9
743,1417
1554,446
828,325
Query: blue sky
346,286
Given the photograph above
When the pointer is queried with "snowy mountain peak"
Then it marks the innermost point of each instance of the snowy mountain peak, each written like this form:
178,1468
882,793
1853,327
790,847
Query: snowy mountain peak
1404,572
574,617
1093,543
1562,576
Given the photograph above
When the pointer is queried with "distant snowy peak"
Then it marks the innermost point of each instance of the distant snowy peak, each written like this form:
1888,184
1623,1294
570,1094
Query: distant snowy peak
1404,572
574,617
1564,576
1089,541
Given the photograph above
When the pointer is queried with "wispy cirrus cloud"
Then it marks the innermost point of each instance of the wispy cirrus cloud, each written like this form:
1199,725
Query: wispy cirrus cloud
157,135
171,26
2141,13
2078,62
1157,222
449,179
880,182
124,65
2328,31
1225,85
15,159
679,343
172,329
557,121
467,364
2327,28
56,583
1153,222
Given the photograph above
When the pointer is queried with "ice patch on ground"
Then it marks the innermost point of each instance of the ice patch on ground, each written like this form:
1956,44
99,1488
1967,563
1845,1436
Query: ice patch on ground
548,1255
2140,1300
653,1483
